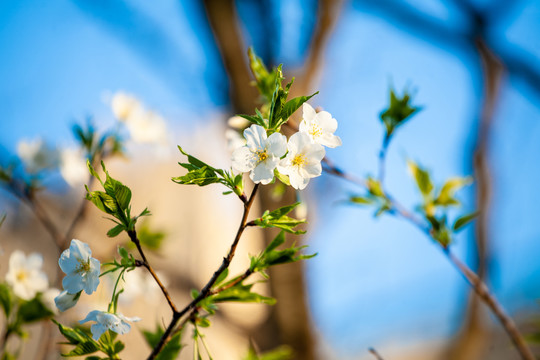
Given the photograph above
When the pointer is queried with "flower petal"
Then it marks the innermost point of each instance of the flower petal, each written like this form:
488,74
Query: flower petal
327,122
72,283
243,159
276,144
92,316
330,140
255,136
262,173
308,112
97,330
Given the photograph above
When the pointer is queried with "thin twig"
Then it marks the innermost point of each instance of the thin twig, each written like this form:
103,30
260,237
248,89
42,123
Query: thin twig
476,283
206,290
133,236
375,353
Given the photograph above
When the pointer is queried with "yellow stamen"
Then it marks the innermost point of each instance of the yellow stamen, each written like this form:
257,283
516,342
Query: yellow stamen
84,266
262,155
315,130
22,275
299,160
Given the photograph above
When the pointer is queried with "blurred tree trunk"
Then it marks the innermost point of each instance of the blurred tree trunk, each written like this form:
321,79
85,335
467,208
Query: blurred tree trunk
474,336
289,322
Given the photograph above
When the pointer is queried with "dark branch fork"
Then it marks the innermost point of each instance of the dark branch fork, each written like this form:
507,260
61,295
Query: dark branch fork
207,289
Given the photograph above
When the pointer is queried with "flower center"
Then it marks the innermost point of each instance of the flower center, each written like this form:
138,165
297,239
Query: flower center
315,130
261,155
84,266
299,160
22,275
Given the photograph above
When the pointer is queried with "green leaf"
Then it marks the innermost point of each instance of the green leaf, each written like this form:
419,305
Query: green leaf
464,220
84,344
221,277
241,293
202,177
171,349
151,238
363,200
257,120
446,195
280,353
32,311
115,231
374,187
270,256
399,110
264,80
423,180
279,219
6,299
294,104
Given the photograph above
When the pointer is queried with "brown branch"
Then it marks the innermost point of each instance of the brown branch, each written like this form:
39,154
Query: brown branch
206,290
476,283
375,353
133,236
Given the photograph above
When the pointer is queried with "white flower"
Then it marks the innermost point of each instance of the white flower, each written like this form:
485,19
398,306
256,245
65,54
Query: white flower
37,155
65,300
81,269
107,321
303,161
320,127
73,167
139,284
25,275
123,105
146,127
260,155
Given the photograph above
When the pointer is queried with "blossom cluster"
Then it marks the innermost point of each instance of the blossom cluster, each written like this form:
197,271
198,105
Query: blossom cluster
82,274
299,158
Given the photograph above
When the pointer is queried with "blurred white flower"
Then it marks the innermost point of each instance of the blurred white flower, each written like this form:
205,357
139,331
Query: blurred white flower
234,139
82,270
25,276
73,167
147,127
65,300
238,122
303,161
37,155
107,321
123,105
260,155
144,126
139,284
319,126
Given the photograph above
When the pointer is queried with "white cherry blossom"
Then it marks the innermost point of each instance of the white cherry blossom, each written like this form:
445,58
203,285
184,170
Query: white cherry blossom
319,126
303,161
123,105
65,300
82,270
260,155
37,155
108,321
25,275
73,167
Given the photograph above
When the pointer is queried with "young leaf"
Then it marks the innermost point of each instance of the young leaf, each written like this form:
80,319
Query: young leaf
115,231
6,299
278,218
423,180
362,200
464,220
241,293
294,104
446,195
171,349
397,112
270,256
32,311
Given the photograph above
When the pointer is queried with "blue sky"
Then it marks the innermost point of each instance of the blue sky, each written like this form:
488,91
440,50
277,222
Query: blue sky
61,57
